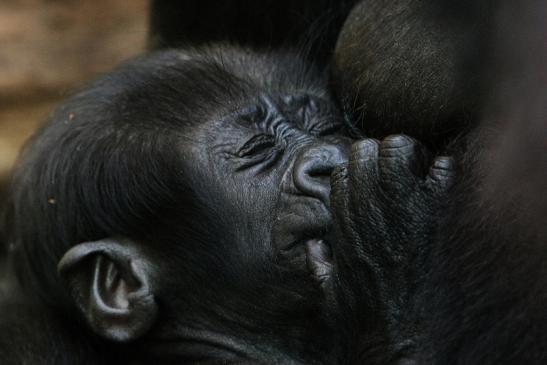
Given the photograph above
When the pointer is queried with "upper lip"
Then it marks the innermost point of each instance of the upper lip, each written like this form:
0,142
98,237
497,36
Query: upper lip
293,229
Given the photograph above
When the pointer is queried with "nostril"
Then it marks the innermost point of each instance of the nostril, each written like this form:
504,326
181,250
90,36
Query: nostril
312,170
321,169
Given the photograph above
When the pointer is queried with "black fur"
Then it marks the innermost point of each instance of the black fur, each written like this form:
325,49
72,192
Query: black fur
482,283
268,24
414,67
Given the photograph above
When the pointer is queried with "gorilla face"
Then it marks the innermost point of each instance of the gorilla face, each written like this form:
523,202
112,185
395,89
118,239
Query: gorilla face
269,164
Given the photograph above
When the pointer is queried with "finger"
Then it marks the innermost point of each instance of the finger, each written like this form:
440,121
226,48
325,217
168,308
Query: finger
442,173
343,218
402,160
363,164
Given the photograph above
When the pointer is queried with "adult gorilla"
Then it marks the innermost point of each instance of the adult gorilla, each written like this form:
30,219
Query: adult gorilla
474,292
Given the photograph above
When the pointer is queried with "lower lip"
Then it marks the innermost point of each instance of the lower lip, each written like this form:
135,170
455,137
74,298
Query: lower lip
319,258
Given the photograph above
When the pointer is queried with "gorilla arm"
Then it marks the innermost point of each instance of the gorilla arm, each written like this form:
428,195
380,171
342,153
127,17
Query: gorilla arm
483,286
384,204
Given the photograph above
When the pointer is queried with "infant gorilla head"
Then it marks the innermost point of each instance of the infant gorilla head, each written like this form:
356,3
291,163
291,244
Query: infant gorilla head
184,201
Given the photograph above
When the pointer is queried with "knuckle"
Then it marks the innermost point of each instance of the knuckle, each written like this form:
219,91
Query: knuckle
365,148
398,141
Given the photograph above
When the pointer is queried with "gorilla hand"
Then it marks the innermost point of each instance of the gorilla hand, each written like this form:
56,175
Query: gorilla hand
385,204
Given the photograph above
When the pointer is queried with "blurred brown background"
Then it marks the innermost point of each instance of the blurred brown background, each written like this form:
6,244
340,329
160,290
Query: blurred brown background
49,48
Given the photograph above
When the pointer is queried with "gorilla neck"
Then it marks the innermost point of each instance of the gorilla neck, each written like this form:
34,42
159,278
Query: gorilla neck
184,344
256,330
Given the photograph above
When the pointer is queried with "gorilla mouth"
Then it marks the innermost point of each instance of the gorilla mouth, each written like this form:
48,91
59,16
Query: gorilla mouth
303,236
298,236
304,241
302,223
311,253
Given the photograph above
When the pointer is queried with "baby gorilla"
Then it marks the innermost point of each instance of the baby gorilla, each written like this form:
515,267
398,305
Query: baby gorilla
179,209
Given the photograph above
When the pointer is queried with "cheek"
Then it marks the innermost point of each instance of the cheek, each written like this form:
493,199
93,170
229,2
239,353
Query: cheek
260,195
247,201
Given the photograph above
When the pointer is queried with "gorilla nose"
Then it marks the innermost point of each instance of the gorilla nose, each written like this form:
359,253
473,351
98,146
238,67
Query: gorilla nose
313,167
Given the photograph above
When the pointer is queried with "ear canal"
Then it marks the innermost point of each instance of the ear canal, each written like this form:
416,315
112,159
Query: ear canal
109,282
116,288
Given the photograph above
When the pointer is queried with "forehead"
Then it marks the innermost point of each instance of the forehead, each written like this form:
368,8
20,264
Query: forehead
181,92
192,87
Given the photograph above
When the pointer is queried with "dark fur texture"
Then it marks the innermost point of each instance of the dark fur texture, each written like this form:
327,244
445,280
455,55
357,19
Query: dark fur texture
413,66
482,291
269,24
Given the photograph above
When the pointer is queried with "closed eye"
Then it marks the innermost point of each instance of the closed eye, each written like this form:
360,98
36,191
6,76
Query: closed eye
257,145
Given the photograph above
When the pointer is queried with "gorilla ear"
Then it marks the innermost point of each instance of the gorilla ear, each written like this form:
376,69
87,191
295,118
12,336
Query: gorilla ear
109,281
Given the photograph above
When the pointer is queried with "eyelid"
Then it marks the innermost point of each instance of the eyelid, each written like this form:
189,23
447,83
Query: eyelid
263,159
255,145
